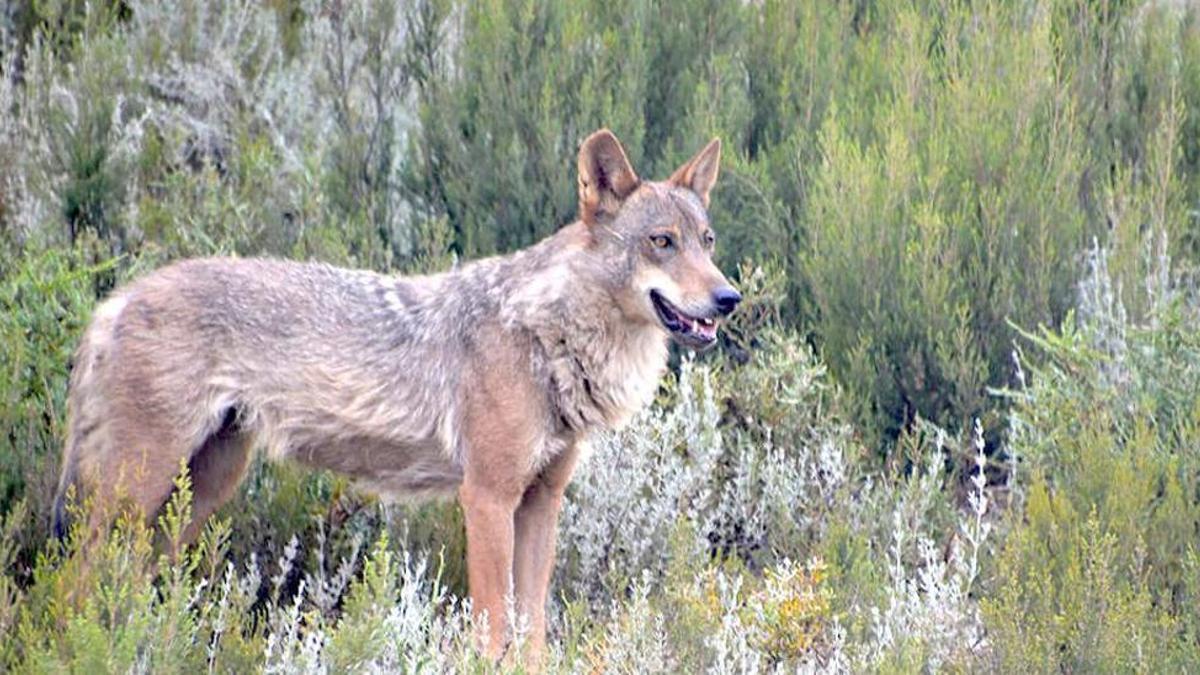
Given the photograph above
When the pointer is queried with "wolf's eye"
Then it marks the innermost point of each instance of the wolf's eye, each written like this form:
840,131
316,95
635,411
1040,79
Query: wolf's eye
661,241
709,238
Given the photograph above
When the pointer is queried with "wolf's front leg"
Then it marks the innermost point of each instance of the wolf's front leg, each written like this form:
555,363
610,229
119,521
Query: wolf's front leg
488,512
533,559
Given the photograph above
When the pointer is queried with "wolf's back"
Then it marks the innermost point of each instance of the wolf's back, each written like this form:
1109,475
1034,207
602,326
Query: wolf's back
288,349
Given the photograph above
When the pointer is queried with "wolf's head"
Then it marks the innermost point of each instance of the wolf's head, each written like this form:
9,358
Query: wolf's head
655,240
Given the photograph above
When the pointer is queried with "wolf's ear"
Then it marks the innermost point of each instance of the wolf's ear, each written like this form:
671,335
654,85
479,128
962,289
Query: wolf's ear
605,176
699,174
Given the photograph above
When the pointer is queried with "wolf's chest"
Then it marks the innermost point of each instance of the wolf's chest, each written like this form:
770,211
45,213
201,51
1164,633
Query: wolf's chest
631,377
603,383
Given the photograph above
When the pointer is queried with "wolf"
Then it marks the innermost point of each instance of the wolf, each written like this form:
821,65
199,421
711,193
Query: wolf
485,380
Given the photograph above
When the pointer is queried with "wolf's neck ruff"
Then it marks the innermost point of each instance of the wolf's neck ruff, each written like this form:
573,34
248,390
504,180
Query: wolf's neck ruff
598,367
601,373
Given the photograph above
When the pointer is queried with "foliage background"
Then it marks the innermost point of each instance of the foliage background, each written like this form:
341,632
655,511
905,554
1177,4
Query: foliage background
955,426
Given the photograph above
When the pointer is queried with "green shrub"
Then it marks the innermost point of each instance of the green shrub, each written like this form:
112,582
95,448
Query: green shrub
921,173
45,301
924,173
1099,570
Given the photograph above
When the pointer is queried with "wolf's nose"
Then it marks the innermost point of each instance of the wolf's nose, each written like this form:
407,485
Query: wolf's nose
726,299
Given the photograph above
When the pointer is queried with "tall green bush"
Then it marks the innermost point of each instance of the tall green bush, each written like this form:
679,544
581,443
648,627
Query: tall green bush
1100,571
44,303
957,212
925,172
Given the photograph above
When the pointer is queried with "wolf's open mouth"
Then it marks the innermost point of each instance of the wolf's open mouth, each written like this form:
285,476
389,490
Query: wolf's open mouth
690,331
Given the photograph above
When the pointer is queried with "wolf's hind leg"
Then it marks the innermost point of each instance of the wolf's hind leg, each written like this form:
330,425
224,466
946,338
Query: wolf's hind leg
216,470
138,465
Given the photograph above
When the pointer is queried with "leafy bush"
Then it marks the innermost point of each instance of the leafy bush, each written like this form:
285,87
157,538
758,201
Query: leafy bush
1099,571
723,551
44,303
925,172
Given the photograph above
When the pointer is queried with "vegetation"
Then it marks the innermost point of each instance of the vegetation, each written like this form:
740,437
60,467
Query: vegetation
955,426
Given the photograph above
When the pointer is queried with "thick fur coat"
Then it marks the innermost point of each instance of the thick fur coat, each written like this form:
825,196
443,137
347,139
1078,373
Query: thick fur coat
484,380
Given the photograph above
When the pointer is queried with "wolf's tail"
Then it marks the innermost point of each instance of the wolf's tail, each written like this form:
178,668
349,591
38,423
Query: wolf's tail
58,516
85,406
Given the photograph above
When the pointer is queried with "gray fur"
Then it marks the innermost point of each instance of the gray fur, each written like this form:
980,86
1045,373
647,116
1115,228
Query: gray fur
356,371
487,378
